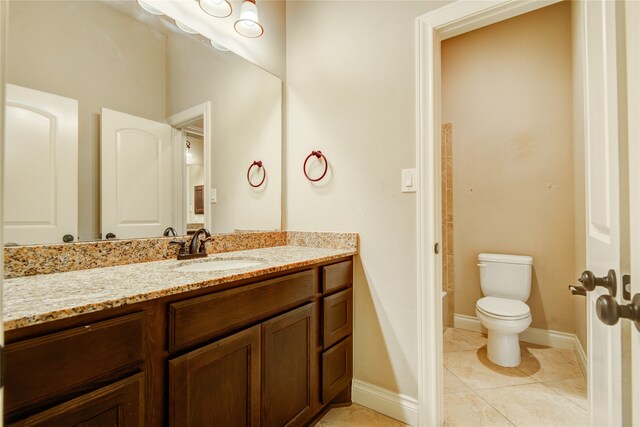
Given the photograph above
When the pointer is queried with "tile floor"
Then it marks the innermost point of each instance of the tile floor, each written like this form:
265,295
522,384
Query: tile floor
356,416
546,389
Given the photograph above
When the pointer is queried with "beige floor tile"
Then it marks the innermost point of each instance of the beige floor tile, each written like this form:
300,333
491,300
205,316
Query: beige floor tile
468,409
574,389
535,405
452,384
478,372
356,416
461,340
549,364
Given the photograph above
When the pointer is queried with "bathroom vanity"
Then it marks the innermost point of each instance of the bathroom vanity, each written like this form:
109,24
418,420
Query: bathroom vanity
269,345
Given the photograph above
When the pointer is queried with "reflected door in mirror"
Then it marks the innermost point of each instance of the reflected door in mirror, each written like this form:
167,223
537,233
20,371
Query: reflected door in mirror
41,167
136,176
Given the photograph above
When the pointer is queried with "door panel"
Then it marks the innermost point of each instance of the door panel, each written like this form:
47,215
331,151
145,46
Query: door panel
218,384
602,202
136,176
41,167
117,405
289,366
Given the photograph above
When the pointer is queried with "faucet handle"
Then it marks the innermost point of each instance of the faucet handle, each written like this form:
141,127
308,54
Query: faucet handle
203,244
183,246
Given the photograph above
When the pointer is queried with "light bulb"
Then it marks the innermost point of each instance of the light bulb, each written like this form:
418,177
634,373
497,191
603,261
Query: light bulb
248,24
187,29
219,46
217,8
146,6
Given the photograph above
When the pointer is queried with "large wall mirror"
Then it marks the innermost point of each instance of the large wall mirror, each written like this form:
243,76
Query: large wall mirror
121,125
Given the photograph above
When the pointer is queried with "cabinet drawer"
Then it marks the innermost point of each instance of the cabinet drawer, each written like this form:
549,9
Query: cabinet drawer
337,369
55,365
198,319
337,276
337,314
119,404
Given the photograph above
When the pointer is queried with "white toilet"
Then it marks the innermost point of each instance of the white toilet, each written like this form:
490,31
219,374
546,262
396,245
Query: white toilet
505,281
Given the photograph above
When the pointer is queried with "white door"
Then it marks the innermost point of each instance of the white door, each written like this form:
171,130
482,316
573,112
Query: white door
633,115
602,204
41,167
136,175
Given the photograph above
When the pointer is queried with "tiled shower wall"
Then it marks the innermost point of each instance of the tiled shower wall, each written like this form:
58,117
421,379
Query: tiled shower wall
447,219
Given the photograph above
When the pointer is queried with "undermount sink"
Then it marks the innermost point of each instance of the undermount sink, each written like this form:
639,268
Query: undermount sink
218,265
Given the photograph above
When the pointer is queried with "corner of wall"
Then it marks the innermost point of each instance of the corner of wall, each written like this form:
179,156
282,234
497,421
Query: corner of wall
578,167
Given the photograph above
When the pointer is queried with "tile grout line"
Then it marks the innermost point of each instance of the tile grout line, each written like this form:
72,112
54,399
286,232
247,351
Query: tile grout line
565,397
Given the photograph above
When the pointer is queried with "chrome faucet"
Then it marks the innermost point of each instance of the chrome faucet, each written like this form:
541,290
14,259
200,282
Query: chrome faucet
194,251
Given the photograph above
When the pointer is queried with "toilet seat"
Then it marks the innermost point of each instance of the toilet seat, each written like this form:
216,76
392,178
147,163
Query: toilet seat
503,308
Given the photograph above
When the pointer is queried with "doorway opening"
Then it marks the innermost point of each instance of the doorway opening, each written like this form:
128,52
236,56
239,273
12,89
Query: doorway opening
508,223
445,23
192,168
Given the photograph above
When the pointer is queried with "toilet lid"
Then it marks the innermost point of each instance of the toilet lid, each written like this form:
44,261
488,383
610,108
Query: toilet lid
503,307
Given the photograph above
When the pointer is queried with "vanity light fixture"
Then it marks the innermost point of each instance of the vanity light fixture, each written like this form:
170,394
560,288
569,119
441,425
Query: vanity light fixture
146,6
219,46
248,24
187,29
216,8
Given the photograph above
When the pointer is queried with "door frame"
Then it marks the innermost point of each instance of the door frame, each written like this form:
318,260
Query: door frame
179,190
443,23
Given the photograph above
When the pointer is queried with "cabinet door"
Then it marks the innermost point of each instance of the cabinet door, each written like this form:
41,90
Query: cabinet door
217,385
289,376
117,405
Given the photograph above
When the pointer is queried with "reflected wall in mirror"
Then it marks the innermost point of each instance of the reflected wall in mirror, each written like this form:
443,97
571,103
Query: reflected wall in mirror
119,163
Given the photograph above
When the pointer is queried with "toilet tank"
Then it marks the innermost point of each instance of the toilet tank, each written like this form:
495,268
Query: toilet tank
505,276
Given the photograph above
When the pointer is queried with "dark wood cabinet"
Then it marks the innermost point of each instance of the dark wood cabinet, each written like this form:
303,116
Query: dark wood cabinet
269,351
337,321
44,369
218,384
118,405
337,369
289,367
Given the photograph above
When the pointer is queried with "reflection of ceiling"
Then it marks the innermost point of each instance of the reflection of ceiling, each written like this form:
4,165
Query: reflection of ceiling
195,128
266,51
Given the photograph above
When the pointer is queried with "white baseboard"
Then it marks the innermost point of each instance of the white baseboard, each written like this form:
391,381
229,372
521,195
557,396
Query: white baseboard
395,405
581,355
546,337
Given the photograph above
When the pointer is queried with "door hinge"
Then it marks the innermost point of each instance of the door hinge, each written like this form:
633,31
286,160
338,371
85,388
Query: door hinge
436,248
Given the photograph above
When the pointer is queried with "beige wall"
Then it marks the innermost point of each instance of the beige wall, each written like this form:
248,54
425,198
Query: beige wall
103,59
351,94
246,119
507,90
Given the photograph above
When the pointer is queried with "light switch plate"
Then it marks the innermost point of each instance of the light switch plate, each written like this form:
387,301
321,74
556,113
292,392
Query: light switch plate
213,196
409,180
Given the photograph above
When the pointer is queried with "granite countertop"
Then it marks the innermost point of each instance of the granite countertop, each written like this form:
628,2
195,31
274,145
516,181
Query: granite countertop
43,298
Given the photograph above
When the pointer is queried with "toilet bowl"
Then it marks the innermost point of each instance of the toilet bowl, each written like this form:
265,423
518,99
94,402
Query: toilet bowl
505,319
505,281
